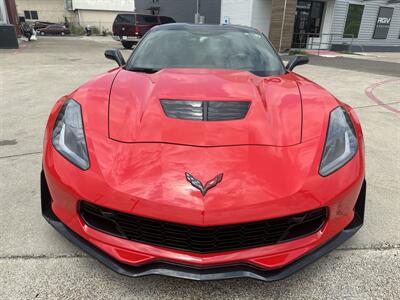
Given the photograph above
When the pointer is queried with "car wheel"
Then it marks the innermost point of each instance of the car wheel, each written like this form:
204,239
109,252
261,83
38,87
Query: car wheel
127,45
42,33
62,33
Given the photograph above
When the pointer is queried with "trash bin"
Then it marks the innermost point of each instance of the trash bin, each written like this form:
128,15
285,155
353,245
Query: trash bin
8,37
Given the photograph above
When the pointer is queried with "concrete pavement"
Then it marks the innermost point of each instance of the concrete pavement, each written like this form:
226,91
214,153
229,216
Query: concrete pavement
358,63
343,274
379,56
36,262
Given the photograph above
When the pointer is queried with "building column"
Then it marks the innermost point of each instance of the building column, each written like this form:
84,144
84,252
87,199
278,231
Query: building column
282,23
3,12
11,11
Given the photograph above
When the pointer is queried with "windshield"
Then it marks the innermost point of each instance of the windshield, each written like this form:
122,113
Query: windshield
208,47
125,19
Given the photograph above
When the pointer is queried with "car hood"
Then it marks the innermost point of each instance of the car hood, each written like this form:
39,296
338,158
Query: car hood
136,114
148,179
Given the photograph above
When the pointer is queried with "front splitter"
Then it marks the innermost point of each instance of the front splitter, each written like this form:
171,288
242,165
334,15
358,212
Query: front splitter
197,273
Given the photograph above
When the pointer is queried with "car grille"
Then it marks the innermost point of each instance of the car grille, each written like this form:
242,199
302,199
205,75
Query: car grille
205,110
202,239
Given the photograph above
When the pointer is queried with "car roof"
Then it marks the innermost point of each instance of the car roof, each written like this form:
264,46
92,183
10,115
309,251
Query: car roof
132,14
189,26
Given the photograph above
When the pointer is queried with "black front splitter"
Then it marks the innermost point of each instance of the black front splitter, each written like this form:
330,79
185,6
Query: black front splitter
193,272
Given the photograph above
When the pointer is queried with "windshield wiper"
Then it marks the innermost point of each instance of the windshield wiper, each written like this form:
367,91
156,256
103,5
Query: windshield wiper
144,70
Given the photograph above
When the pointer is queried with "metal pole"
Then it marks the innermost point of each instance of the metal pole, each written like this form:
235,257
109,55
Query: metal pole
283,24
351,44
197,15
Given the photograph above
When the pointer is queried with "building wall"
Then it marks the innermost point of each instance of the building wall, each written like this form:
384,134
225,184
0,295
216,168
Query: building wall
371,9
275,18
261,15
239,12
111,5
48,10
99,13
183,10
282,23
3,12
327,17
103,20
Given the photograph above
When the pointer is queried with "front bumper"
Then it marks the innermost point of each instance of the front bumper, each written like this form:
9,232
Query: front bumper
126,38
202,273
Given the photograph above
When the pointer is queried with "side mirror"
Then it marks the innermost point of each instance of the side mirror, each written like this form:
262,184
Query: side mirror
115,54
297,60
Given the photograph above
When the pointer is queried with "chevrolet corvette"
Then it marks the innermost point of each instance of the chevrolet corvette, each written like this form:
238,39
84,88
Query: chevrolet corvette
203,157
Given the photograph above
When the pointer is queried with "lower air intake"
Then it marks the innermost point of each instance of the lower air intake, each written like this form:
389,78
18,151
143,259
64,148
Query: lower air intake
202,239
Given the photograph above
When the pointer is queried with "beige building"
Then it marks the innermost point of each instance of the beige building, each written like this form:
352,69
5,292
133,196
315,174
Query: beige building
96,13
99,13
101,19
44,10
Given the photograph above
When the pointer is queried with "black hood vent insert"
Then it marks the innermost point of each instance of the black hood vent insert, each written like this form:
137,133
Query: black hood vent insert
205,110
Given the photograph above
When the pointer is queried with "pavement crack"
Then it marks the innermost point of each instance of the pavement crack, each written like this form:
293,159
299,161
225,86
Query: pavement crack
376,248
84,255
375,105
22,154
26,257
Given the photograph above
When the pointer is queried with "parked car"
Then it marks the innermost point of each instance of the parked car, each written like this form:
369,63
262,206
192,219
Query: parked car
130,28
39,24
54,29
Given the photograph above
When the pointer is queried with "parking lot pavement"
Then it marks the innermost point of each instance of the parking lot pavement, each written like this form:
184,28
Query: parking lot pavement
392,57
352,63
36,262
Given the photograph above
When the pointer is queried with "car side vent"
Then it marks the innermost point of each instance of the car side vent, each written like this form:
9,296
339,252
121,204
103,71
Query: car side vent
205,110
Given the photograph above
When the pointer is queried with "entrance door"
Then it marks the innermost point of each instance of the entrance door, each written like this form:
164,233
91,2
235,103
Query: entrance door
308,22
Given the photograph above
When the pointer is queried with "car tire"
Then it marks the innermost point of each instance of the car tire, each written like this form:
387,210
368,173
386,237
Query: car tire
62,33
127,45
42,33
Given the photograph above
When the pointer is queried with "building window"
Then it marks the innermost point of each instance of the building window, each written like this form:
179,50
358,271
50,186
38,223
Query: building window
34,15
31,14
353,21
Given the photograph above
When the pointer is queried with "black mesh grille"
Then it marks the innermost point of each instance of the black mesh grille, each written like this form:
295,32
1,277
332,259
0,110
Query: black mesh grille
202,239
205,110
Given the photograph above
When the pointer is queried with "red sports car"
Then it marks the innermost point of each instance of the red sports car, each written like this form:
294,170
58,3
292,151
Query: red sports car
203,157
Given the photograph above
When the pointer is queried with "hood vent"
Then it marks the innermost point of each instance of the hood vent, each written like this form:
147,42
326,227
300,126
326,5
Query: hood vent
205,110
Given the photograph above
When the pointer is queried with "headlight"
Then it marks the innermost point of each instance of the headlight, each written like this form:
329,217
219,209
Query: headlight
68,135
341,142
